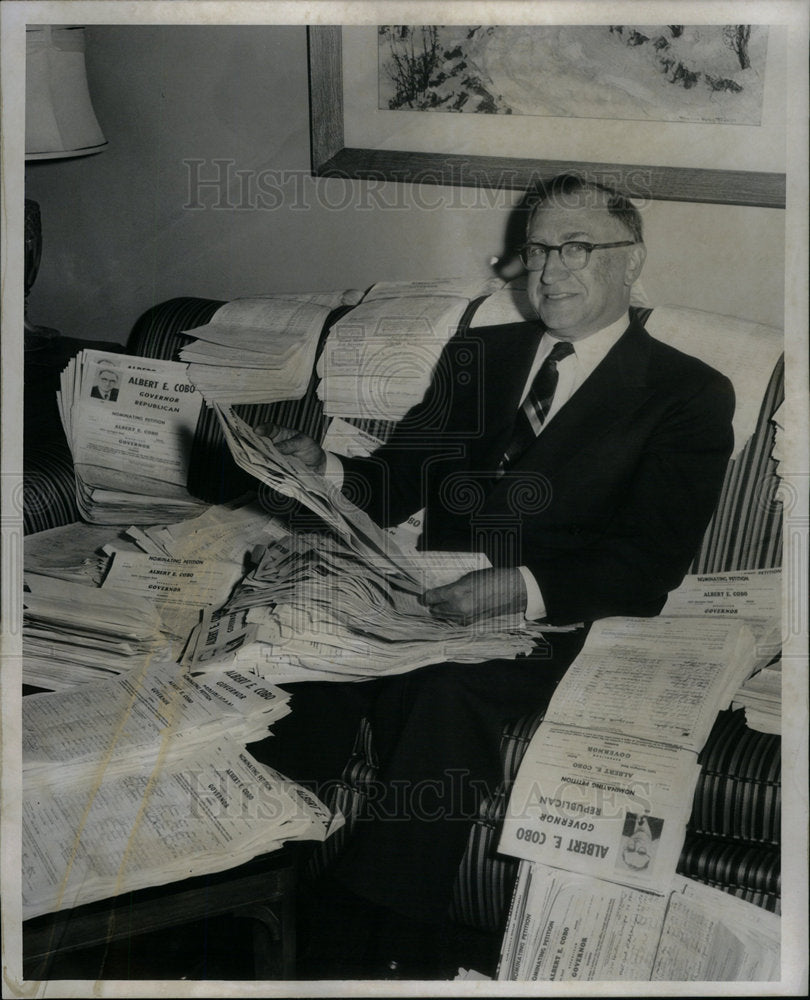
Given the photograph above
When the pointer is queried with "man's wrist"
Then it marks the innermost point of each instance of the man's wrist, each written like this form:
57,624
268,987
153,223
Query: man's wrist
333,470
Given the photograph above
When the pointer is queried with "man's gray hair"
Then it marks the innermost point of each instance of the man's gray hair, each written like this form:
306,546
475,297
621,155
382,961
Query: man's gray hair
565,186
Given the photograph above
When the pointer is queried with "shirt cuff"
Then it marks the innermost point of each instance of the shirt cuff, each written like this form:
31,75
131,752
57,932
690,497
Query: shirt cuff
535,605
334,470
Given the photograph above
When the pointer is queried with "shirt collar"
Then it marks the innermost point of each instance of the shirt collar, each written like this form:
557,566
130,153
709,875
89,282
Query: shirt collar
592,349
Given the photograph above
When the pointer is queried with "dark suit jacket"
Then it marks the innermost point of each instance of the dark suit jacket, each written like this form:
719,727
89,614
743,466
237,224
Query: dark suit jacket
606,508
96,393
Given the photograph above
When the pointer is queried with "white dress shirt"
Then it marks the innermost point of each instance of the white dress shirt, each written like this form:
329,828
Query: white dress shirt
572,372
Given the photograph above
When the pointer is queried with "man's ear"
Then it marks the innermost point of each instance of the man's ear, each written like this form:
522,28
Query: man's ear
636,256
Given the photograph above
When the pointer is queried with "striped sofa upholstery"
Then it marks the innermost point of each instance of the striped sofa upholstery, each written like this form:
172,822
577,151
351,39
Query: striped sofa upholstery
740,777
49,487
734,831
746,529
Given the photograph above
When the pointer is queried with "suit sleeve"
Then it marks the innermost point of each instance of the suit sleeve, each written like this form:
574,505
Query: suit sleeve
388,485
658,523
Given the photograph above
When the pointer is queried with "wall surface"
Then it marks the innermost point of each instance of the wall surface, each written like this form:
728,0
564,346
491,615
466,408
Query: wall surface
205,190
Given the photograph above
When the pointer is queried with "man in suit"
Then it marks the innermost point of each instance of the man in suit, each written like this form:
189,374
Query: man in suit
585,459
106,386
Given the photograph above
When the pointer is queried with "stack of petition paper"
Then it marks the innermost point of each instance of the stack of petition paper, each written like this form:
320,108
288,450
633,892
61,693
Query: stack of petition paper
378,360
128,722
600,805
566,927
129,423
761,697
179,588
755,597
105,615
144,780
618,747
74,632
187,817
262,349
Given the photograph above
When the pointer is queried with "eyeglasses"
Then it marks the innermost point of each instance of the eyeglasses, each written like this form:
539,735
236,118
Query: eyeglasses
574,255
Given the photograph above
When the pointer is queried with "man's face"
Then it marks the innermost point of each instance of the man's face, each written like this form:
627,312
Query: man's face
574,304
107,381
637,849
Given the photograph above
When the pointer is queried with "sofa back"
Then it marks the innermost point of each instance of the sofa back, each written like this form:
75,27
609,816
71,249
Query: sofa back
745,531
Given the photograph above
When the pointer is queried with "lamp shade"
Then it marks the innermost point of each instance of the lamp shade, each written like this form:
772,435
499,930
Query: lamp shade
59,116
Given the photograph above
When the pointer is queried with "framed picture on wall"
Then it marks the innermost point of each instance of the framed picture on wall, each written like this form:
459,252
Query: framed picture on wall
676,112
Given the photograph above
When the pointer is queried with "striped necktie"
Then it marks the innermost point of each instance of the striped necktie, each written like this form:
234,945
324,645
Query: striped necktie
532,414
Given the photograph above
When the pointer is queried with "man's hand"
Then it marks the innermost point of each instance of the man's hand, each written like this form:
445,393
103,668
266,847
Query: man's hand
300,446
484,593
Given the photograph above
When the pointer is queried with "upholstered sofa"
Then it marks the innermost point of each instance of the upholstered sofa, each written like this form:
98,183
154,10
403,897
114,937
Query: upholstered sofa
734,832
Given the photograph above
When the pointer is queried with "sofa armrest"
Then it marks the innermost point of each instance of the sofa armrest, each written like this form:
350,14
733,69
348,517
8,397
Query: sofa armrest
49,487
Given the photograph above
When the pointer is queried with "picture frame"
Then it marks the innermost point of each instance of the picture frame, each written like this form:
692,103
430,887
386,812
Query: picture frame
331,157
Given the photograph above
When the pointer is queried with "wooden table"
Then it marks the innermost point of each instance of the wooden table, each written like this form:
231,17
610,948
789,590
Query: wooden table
263,891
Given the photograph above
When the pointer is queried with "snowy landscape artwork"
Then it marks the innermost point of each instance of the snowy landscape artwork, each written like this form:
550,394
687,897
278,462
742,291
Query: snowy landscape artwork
669,72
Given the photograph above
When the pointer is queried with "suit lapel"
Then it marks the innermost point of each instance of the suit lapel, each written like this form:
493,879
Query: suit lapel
506,359
617,387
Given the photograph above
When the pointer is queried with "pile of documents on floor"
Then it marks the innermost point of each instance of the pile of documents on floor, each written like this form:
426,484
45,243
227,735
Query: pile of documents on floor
144,779
599,808
378,359
261,349
129,423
